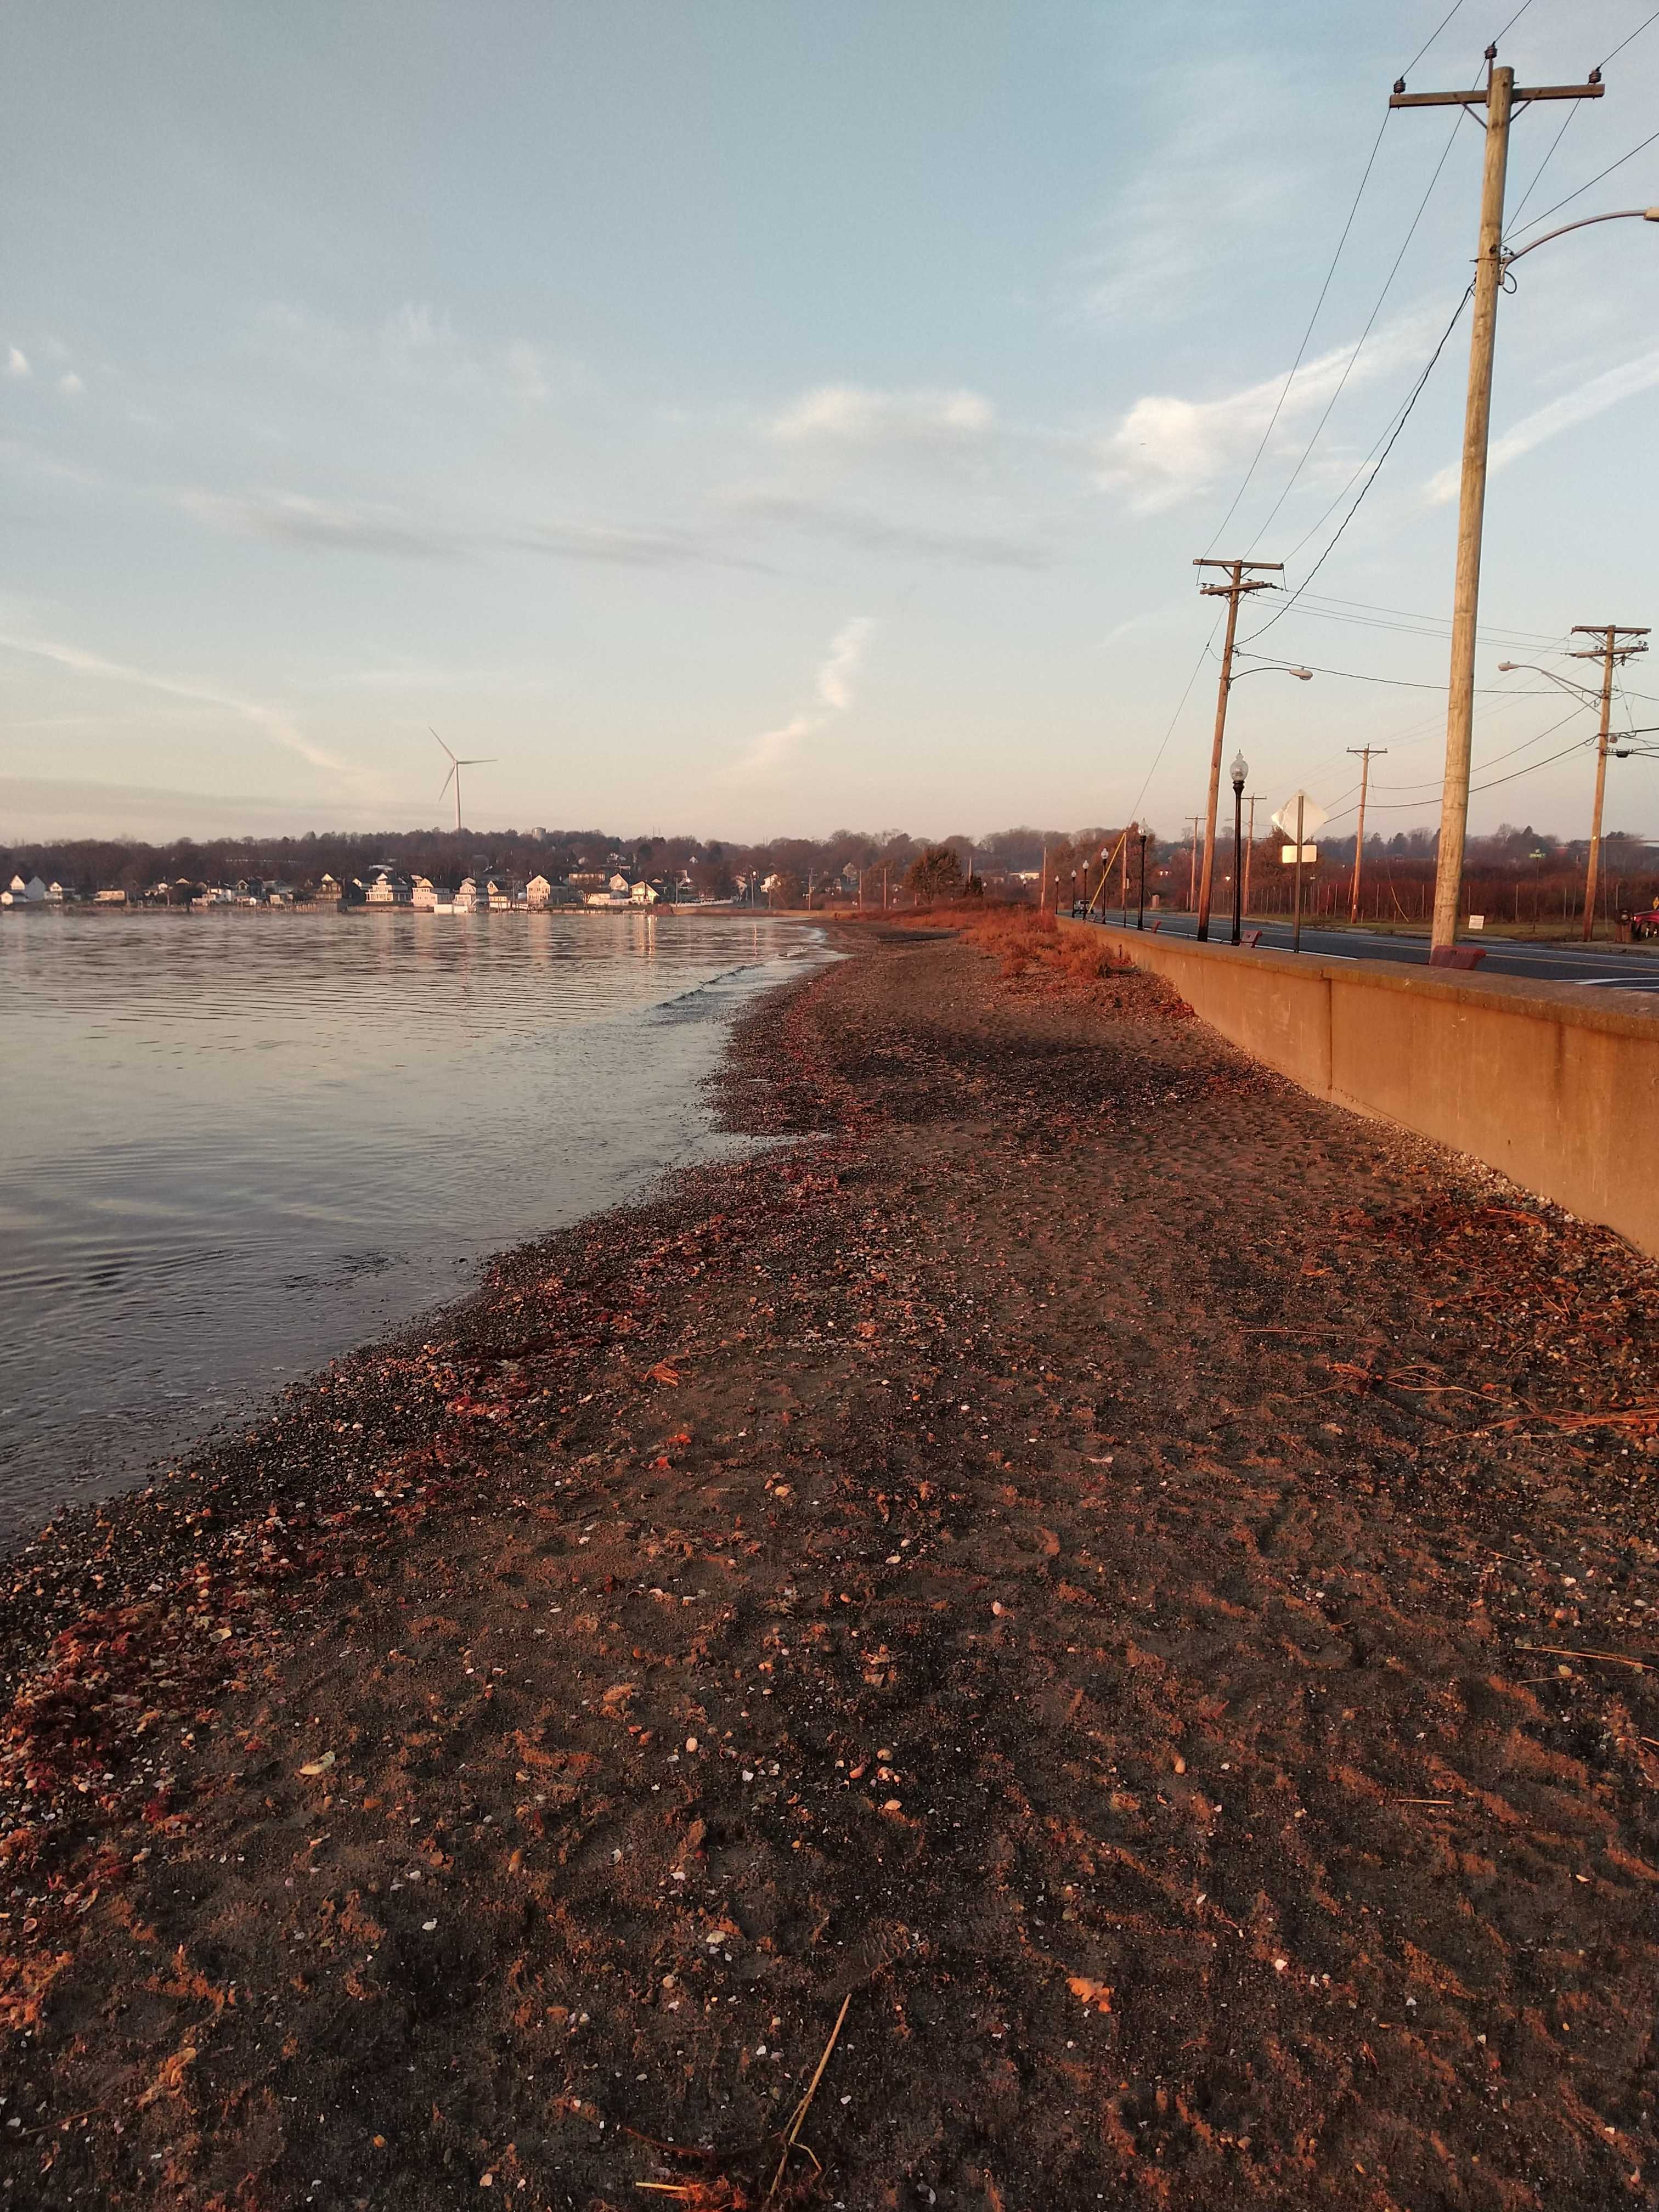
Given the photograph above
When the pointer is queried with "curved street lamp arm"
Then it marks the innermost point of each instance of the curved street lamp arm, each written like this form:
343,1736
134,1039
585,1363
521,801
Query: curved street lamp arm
1582,692
1619,215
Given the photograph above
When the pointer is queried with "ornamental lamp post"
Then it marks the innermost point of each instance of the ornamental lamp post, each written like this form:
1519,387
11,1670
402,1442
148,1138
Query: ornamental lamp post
1239,771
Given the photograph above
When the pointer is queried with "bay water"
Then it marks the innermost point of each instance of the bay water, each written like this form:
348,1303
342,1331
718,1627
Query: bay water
233,1146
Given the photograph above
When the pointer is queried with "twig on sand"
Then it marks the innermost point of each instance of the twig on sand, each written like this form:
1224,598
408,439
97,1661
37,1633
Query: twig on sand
1425,1801
801,2110
1613,1658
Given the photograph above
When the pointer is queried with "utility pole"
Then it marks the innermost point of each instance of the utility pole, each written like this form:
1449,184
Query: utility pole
1366,753
1192,864
1500,97
1611,654
1250,846
1238,585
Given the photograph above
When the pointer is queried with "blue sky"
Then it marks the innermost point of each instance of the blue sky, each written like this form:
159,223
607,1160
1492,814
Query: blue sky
755,419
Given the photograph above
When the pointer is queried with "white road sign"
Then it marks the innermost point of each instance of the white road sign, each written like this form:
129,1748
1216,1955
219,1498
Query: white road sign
1313,815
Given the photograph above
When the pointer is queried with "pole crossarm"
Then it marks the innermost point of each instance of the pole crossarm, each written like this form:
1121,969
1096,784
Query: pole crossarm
1522,96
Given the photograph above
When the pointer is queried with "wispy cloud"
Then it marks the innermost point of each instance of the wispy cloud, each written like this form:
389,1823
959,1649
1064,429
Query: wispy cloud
1592,397
362,526
69,383
268,720
874,534
1166,449
417,345
17,361
833,688
294,519
1195,194
852,415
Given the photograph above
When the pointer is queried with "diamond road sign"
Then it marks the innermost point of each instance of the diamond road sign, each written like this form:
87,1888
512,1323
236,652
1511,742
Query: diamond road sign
1313,815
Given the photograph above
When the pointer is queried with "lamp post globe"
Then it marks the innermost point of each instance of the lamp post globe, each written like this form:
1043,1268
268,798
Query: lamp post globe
1240,770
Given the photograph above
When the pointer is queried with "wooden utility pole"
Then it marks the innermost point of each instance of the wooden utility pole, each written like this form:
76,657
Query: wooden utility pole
1250,847
1366,753
1501,98
1191,863
1611,654
1236,588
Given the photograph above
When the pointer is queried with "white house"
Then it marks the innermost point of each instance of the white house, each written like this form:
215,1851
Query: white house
99,898
537,892
19,893
385,887
466,899
642,895
423,896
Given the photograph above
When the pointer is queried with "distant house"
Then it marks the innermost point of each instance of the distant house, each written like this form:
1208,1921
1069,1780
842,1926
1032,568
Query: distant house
384,886
329,888
54,894
99,898
504,896
19,893
537,894
424,895
466,900
250,891
643,893
279,894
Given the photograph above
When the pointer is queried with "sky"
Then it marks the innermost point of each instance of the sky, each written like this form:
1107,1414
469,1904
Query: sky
754,420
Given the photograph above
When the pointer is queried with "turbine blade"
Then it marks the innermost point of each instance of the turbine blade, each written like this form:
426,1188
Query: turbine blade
447,781
440,741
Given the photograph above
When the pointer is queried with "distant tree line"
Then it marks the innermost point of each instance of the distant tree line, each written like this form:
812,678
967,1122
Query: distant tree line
1517,874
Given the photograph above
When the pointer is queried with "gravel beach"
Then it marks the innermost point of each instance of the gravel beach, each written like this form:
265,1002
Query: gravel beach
1128,1590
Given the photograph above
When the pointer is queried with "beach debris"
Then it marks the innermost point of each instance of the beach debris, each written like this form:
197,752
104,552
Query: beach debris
1097,1995
318,1766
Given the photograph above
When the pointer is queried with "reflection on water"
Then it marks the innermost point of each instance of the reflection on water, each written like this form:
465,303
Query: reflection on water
236,1144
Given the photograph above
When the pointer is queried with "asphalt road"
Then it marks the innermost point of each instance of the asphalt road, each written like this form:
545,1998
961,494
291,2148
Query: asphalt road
1620,970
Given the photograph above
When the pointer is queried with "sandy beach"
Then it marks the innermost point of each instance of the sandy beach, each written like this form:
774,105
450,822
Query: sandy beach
1127,1587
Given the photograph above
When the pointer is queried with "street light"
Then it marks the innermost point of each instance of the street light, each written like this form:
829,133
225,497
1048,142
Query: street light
1239,770
1274,668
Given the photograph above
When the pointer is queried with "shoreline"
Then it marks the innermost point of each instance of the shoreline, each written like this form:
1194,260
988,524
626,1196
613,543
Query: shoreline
108,1388
989,1560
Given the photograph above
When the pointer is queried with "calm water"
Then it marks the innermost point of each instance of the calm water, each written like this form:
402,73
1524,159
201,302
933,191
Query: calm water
235,1145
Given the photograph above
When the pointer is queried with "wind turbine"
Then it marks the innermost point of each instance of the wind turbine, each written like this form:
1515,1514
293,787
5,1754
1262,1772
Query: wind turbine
455,765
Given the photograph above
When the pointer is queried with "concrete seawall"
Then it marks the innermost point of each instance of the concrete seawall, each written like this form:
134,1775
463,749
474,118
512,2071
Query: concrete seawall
1549,1082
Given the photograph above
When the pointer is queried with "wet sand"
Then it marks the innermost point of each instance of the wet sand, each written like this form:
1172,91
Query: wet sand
1086,1558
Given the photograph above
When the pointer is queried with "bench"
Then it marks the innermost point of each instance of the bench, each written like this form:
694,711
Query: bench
1252,938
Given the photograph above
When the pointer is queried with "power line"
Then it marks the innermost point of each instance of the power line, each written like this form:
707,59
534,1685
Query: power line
1387,282
1572,109
1203,655
1636,33
1595,180
1400,682
1433,782
1430,40
1404,416
1513,21
1371,162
